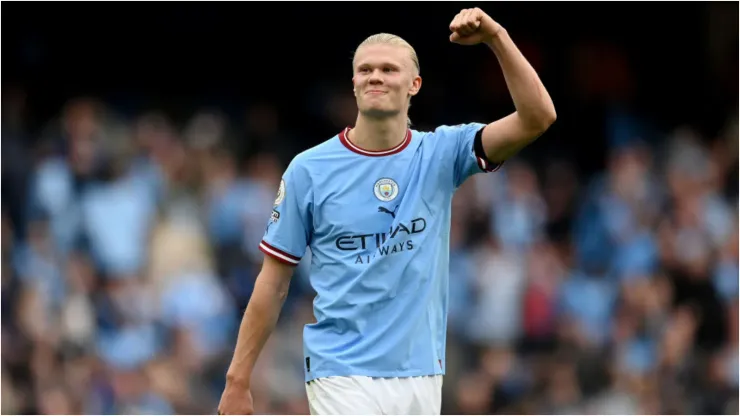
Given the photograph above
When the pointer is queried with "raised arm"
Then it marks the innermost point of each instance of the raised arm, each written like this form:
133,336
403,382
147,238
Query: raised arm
535,111
259,320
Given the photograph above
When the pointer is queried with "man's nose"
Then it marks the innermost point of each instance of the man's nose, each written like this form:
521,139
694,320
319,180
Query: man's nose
376,77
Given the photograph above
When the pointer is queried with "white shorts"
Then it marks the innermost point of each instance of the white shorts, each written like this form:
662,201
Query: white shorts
375,396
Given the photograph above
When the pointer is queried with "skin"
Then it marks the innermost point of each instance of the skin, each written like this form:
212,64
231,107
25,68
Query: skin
384,80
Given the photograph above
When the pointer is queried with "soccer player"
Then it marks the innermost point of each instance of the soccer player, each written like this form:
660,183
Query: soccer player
373,205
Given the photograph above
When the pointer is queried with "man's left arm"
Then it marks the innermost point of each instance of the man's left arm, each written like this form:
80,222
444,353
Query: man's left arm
535,111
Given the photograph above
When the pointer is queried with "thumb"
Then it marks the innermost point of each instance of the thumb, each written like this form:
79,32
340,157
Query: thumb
455,37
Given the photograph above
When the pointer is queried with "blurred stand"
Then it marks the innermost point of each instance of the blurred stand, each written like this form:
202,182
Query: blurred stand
597,272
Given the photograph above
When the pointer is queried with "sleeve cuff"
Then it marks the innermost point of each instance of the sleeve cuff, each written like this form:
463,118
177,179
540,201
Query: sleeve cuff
480,155
278,254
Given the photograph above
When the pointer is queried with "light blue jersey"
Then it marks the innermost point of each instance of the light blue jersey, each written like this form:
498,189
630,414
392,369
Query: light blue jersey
378,226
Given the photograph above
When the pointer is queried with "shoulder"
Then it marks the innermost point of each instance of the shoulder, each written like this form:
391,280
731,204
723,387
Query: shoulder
310,160
450,135
53,166
52,174
456,130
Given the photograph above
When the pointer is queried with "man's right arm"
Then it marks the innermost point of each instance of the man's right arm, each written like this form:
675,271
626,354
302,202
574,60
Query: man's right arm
263,310
287,235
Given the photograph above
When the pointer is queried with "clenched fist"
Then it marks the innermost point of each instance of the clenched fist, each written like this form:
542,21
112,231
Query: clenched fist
473,26
236,400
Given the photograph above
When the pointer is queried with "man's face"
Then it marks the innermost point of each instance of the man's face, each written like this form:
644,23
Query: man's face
384,79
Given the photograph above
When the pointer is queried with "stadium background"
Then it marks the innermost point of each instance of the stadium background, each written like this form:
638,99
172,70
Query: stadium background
142,144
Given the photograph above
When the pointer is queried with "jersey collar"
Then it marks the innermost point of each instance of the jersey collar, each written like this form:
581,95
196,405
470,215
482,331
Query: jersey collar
349,145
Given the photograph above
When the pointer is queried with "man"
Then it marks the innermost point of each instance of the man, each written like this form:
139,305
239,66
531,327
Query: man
373,204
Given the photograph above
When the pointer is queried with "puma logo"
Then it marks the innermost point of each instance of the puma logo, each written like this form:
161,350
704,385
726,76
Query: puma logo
391,213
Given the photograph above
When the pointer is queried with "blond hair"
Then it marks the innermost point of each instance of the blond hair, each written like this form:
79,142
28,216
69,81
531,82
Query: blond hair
394,40
390,39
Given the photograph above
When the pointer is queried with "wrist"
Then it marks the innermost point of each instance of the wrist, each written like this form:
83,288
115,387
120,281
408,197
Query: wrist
495,36
237,380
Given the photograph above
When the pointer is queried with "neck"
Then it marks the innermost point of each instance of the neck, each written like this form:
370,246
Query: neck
377,134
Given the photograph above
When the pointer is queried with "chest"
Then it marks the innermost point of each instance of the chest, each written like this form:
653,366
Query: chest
378,198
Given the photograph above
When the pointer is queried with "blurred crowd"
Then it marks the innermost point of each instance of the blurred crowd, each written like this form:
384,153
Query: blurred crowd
129,252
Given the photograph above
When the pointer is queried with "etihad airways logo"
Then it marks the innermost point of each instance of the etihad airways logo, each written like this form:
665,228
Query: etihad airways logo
402,232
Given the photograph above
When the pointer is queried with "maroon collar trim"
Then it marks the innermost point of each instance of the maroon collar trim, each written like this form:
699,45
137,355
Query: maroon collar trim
353,147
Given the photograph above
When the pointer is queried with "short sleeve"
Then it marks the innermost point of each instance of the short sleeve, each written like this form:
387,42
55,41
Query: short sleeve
288,229
464,143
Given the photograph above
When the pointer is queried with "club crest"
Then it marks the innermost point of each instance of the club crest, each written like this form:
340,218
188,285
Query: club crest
386,189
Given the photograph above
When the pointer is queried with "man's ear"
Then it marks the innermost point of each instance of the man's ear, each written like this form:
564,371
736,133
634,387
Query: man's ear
415,86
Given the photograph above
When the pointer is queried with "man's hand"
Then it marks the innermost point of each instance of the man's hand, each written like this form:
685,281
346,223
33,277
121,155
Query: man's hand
473,26
236,400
